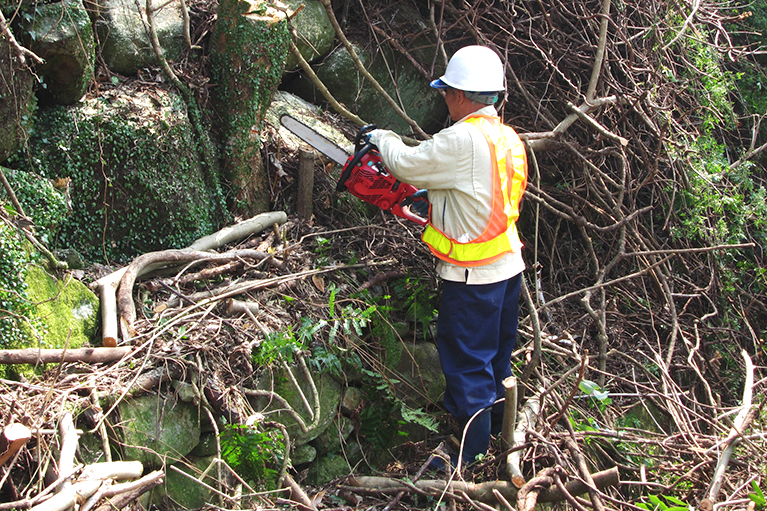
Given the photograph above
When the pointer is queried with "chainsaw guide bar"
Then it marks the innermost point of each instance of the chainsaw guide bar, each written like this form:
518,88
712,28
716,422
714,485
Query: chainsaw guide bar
314,139
364,174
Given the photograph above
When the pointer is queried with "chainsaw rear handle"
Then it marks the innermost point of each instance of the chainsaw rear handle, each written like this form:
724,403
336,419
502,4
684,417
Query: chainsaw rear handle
361,148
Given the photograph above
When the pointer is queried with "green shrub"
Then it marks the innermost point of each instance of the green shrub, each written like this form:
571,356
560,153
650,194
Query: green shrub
15,308
42,202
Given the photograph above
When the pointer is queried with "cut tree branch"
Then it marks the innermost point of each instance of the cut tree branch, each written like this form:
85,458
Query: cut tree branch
57,356
482,492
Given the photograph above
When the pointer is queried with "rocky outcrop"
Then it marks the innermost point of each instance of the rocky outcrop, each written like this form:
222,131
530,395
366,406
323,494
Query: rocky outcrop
157,428
61,33
314,30
137,183
124,34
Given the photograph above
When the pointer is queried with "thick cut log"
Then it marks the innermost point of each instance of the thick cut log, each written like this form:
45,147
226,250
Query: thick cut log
55,356
107,288
13,438
255,225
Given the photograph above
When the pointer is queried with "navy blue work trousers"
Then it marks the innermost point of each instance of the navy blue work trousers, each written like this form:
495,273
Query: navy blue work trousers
476,333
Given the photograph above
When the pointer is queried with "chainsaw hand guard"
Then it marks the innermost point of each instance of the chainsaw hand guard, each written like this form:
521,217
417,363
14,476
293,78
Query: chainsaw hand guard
365,176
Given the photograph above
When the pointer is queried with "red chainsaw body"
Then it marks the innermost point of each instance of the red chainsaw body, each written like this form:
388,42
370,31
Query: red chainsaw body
370,181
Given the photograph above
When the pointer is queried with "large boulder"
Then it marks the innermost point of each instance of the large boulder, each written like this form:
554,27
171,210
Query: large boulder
61,33
278,381
314,30
123,31
17,101
67,309
135,177
419,370
396,75
183,491
157,429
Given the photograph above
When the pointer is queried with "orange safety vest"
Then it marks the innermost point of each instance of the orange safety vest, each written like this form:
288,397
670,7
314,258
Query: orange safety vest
509,181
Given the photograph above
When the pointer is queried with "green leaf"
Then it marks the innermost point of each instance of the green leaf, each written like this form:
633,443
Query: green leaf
590,388
676,501
659,504
758,496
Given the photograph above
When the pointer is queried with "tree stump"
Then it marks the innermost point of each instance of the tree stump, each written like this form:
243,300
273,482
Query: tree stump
250,44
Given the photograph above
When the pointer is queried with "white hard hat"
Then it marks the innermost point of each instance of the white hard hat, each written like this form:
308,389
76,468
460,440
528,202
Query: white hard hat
475,69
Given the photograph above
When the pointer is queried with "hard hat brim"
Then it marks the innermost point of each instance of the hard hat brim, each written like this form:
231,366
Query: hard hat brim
439,84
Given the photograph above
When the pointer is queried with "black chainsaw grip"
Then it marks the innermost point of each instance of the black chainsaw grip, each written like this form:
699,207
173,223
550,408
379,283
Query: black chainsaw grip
361,148
359,139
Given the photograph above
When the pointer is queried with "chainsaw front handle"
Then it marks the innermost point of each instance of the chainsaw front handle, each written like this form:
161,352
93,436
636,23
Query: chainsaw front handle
361,148
352,162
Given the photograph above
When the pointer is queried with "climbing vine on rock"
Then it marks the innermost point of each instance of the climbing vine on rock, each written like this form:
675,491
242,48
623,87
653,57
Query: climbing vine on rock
135,182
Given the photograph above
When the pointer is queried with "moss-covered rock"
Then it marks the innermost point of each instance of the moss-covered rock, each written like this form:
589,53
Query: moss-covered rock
61,33
314,30
136,180
124,37
327,468
303,454
334,437
181,492
329,390
419,370
17,101
395,74
156,429
66,309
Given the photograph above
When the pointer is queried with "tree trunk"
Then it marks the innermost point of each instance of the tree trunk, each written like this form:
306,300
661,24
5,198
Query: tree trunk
250,44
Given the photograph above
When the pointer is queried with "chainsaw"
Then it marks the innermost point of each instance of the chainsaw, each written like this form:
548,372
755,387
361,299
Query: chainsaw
364,174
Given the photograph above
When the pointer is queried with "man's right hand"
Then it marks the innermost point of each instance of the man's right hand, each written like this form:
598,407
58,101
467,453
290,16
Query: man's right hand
420,203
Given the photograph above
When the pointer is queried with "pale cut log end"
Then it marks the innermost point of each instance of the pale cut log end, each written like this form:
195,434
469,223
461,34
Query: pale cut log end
518,481
13,438
17,431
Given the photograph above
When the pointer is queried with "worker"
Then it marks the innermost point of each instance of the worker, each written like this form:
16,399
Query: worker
474,174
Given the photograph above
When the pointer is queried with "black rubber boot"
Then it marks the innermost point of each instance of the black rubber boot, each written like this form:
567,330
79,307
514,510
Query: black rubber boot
476,442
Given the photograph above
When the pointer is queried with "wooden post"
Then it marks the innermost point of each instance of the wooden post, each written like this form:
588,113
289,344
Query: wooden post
509,412
305,183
